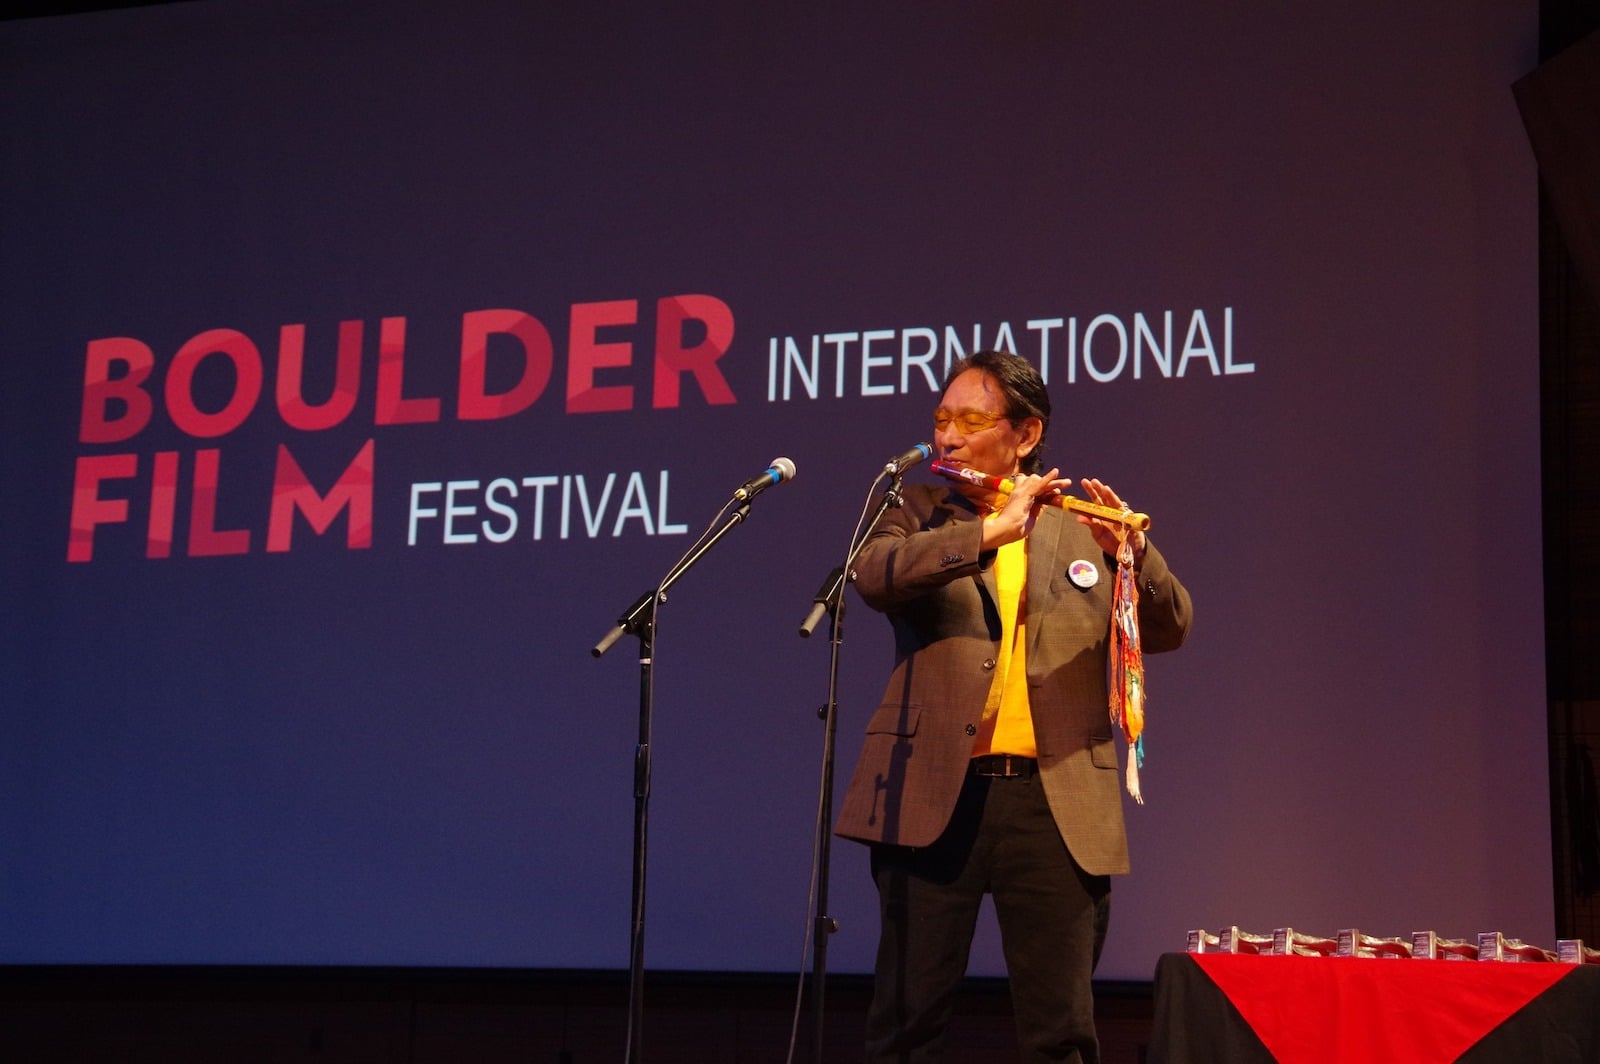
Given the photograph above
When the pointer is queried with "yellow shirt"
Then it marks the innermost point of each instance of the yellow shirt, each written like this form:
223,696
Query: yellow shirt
1007,719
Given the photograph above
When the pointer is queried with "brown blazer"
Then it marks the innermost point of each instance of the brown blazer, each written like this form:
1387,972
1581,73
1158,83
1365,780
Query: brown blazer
922,568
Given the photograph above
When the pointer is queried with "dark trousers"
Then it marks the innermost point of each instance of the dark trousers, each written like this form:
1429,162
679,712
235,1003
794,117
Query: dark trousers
1002,841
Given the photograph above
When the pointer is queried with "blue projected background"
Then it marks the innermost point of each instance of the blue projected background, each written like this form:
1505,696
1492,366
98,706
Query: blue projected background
296,667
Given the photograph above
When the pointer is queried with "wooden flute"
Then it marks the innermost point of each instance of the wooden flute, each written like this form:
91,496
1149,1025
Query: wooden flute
1136,521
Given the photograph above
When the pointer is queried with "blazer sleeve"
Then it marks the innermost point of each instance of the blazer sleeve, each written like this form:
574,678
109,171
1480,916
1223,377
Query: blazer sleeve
925,544
1165,611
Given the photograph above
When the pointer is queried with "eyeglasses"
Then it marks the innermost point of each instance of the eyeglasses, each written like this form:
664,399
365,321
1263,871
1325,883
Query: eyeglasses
968,420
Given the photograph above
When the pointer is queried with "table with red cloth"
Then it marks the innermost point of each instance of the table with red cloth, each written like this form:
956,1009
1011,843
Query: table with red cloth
1212,1008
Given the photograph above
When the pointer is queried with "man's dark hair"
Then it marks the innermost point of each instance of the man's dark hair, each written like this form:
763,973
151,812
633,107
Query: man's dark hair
1023,388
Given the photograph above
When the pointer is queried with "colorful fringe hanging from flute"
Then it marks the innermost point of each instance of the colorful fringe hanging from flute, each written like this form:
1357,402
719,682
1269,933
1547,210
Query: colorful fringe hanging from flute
1127,662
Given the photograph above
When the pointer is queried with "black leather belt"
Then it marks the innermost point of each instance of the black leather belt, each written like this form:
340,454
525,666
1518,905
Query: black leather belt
1006,765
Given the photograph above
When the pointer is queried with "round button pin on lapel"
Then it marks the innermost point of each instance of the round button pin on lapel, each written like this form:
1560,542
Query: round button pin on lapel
1084,573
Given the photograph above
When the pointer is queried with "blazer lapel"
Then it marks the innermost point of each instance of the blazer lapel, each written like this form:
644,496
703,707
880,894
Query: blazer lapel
1043,544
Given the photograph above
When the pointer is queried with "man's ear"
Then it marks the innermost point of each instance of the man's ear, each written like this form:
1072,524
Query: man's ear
1032,431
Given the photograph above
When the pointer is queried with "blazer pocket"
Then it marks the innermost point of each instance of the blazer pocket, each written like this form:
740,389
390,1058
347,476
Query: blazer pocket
1102,751
895,719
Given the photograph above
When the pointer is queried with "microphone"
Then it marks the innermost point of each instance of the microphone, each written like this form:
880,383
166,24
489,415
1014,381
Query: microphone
899,464
780,470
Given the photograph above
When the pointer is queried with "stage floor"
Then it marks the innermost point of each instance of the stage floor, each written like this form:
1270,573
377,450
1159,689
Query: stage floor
241,1015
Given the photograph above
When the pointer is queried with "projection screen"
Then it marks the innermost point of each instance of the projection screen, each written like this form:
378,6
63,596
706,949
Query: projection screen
365,361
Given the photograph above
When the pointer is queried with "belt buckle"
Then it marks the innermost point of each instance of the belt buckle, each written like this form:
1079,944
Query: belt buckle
998,766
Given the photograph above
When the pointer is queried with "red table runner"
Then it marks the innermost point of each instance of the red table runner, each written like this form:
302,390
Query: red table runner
1244,1009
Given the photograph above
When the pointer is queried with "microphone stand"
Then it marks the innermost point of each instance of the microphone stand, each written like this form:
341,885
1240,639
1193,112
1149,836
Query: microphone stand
640,621
830,599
